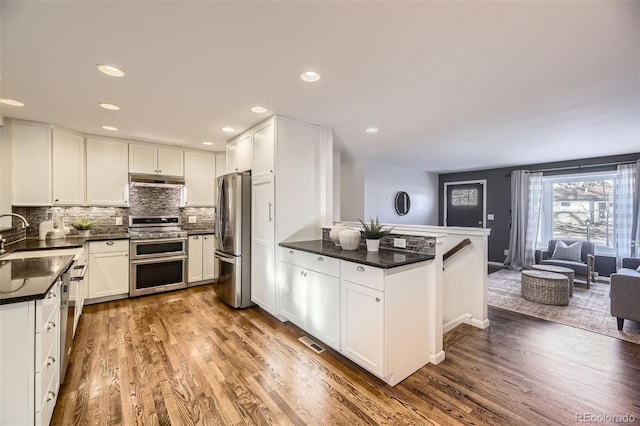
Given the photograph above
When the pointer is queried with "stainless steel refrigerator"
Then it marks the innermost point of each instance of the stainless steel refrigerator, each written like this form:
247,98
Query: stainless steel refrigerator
233,239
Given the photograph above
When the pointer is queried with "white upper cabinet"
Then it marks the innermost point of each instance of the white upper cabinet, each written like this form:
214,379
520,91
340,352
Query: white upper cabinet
68,163
31,172
156,160
107,189
199,178
263,149
221,164
240,154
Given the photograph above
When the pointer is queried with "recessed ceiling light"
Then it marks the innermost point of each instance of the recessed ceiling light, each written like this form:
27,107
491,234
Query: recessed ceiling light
227,129
258,109
371,130
111,107
310,76
11,102
110,70
207,143
113,129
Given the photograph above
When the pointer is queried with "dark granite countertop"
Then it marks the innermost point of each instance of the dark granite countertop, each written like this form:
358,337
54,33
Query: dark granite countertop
384,258
200,231
61,243
22,280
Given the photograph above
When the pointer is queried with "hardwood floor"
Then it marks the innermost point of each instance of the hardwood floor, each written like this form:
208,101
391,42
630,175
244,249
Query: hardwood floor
186,358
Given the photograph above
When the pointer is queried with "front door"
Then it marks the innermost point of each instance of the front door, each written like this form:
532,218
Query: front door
465,205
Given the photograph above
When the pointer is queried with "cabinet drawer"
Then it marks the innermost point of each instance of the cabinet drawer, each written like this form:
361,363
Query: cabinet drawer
367,276
46,306
48,372
108,246
315,262
45,411
45,339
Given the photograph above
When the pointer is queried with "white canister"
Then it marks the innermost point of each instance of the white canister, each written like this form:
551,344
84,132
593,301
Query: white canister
350,239
334,234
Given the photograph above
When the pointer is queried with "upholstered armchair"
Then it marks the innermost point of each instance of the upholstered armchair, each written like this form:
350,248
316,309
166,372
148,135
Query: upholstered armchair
582,261
625,291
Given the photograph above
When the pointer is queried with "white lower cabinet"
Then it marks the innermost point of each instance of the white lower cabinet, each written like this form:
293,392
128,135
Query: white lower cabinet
108,268
29,360
202,264
310,297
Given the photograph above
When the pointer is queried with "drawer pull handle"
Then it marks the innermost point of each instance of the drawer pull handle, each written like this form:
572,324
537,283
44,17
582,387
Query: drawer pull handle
377,299
302,273
320,259
50,360
109,243
51,295
196,237
50,325
290,251
360,268
50,395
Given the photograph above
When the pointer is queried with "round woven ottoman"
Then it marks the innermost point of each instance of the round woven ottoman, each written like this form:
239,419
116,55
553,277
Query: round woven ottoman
560,270
549,288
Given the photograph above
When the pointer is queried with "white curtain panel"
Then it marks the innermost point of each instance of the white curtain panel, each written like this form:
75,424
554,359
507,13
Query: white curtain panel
624,197
533,218
635,226
517,257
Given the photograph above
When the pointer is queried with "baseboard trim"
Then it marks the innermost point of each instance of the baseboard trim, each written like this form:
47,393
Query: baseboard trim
479,323
436,358
498,264
462,319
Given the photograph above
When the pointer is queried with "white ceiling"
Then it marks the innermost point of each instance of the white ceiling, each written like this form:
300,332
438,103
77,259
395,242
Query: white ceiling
451,85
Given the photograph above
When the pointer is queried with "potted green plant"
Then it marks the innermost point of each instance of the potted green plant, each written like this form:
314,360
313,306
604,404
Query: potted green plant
373,233
83,225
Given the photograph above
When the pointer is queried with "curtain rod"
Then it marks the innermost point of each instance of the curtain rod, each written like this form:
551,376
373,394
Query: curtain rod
554,169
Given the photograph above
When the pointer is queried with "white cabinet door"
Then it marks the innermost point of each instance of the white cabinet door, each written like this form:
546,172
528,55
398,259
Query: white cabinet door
323,316
232,157
294,293
263,150
362,336
209,262
68,164
143,159
195,258
31,179
263,291
245,153
221,164
112,188
108,274
199,179
170,161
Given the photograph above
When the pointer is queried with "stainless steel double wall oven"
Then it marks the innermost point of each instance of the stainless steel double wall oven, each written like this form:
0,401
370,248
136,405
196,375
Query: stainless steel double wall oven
158,253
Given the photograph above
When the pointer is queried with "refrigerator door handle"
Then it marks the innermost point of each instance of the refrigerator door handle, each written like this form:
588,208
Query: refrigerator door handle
219,211
223,258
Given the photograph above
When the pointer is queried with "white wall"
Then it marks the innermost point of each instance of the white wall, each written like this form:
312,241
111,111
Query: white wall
5,178
368,190
336,185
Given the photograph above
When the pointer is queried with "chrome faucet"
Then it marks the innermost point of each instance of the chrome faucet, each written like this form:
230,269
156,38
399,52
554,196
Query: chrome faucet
25,223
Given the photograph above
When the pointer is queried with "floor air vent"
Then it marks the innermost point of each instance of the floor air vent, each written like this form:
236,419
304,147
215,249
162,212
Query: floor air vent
311,344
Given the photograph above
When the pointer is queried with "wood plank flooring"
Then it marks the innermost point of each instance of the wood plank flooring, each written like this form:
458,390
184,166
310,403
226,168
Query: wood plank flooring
185,358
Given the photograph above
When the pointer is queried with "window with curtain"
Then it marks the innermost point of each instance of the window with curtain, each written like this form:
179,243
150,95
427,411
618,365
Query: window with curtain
581,207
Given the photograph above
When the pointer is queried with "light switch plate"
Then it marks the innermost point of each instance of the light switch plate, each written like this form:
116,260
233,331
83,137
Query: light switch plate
192,219
506,252
400,242
119,220
490,216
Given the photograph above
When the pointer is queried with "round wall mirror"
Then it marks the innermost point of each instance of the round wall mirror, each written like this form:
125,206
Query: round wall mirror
402,203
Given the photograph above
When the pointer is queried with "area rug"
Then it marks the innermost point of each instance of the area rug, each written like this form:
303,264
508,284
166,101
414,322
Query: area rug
587,309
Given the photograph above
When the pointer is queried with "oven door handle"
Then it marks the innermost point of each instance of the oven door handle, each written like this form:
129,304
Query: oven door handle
158,260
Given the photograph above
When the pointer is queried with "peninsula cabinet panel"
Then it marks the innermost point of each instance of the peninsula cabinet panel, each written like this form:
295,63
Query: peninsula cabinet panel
107,172
31,171
68,163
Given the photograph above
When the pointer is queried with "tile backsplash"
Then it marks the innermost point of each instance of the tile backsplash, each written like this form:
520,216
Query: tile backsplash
415,243
144,201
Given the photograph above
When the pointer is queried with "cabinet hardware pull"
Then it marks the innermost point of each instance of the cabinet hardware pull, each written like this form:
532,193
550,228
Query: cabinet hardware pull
302,273
320,259
109,243
50,325
377,299
50,361
50,395
57,199
290,251
195,237
360,268
51,295
270,206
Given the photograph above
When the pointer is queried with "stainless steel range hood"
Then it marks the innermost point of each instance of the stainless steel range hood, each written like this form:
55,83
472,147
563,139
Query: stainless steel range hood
137,179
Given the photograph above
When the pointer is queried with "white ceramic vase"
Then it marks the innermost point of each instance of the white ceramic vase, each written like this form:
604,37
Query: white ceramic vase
334,234
373,245
349,239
